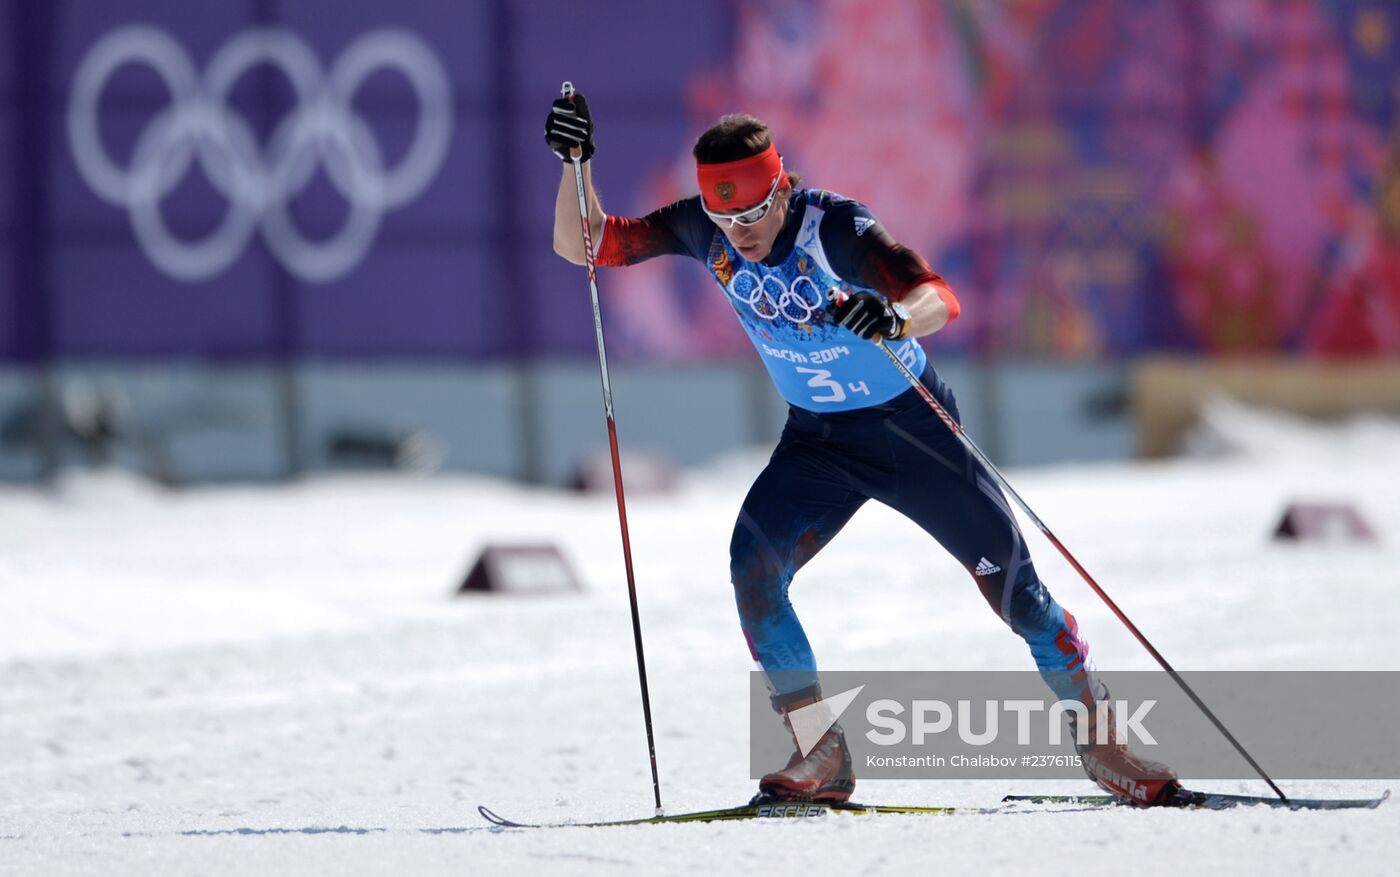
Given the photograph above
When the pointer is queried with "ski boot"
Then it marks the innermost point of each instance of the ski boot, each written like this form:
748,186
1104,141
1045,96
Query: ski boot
1119,770
823,774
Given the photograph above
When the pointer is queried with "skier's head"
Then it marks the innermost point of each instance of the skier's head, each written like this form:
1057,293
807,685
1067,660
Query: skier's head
743,186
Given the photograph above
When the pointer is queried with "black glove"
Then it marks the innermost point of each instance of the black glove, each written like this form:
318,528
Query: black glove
569,125
867,315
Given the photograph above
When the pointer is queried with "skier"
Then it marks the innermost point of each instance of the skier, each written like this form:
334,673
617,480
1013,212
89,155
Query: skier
855,430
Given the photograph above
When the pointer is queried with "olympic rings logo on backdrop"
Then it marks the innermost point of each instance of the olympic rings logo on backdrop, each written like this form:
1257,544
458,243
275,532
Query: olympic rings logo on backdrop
322,130
769,296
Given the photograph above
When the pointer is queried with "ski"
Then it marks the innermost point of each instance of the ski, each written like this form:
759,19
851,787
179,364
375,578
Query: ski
774,810
808,810
1211,801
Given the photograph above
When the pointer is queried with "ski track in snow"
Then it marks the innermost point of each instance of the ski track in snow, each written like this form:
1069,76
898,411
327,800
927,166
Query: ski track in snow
275,679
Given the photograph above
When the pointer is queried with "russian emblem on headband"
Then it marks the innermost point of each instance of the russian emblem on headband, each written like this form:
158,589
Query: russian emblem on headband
724,190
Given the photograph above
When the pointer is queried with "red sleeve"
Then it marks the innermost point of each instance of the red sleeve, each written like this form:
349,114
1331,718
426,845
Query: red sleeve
679,229
861,250
628,241
945,292
890,272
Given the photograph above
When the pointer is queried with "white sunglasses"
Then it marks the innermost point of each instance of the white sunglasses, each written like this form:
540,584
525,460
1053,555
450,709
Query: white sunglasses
752,216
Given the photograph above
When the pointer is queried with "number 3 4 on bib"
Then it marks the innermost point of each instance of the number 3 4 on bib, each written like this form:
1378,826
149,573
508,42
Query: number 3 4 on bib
825,388
834,392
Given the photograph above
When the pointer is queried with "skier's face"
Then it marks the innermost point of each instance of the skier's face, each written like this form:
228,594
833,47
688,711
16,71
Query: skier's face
755,241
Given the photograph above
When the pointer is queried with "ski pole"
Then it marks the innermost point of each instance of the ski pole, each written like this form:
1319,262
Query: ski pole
1103,595
567,90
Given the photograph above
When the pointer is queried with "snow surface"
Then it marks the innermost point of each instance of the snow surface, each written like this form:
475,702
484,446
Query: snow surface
251,680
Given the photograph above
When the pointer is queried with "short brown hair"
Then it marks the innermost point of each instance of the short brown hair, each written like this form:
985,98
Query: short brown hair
736,136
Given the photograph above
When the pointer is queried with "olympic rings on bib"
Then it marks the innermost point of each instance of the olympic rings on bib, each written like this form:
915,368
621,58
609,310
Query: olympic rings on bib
769,296
323,130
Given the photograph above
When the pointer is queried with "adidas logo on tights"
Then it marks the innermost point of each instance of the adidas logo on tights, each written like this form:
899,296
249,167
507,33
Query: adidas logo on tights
985,568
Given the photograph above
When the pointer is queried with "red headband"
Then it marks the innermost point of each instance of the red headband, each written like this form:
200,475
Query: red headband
733,185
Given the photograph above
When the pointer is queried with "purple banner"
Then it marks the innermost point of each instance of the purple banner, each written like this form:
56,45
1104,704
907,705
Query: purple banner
346,178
